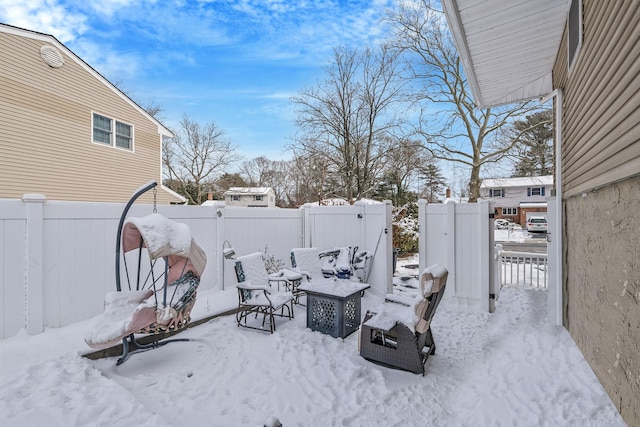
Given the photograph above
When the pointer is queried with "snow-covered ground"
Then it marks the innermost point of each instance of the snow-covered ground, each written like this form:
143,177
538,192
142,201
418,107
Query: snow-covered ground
505,369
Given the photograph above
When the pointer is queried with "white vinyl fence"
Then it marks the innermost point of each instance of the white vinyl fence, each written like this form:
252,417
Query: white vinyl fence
460,237
57,259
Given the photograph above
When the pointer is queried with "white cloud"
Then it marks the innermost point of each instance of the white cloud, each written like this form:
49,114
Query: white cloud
114,65
109,7
45,16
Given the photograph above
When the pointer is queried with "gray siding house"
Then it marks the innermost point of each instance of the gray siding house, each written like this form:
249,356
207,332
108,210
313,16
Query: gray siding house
251,197
515,198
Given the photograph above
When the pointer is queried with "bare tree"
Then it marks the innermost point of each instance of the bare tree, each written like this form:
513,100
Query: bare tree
451,125
308,179
403,161
262,172
256,171
344,118
194,158
151,106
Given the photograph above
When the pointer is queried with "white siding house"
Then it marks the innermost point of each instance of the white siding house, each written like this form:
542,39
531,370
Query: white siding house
515,197
261,197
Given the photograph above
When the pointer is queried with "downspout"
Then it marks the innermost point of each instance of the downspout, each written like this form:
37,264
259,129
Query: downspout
554,301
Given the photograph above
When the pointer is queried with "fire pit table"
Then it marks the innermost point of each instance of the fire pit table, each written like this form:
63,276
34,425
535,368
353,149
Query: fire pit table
333,306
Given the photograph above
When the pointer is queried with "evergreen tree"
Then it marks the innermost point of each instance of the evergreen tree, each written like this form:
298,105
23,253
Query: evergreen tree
534,156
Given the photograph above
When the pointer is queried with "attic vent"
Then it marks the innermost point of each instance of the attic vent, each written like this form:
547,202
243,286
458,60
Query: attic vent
51,56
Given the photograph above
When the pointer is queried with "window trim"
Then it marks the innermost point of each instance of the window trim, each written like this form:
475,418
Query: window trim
113,135
493,191
572,32
505,211
530,191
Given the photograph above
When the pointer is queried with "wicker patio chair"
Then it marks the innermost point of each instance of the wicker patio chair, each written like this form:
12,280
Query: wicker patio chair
259,294
391,336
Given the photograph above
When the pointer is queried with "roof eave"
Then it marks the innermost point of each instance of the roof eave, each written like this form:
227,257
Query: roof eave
452,13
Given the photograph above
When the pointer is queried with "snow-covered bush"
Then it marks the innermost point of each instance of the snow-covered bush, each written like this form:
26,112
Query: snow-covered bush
272,263
405,228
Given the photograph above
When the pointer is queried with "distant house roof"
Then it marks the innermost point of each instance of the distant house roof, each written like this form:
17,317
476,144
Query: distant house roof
517,182
233,191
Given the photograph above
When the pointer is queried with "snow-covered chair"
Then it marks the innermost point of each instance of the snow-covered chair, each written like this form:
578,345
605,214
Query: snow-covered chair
306,261
162,268
397,333
346,263
259,293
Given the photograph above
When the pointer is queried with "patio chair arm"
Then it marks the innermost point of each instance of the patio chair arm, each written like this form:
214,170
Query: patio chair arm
304,273
250,287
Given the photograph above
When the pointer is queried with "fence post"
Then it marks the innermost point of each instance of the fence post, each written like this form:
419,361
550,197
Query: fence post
450,233
422,234
306,226
485,234
218,245
34,254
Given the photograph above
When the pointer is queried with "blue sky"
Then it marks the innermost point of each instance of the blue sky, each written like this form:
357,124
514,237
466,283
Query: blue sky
233,62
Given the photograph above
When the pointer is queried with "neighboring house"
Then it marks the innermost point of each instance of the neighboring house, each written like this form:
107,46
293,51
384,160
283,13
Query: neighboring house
251,197
585,54
66,132
514,198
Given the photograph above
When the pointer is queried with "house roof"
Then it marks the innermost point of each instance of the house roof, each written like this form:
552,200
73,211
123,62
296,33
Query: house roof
507,48
517,182
247,190
10,29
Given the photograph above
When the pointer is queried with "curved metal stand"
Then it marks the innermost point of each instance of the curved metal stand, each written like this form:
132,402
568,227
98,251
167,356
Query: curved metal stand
135,196
131,346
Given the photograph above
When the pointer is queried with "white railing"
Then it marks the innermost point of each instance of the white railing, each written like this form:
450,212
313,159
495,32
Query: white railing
522,269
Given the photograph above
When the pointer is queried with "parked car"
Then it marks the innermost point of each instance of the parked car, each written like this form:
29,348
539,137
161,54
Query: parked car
505,224
501,224
537,224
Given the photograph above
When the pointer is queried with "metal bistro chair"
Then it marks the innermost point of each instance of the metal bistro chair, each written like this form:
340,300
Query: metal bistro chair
258,293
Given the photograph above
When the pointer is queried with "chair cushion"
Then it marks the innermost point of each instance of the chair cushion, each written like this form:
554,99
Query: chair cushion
253,268
394,310
278,299
308,260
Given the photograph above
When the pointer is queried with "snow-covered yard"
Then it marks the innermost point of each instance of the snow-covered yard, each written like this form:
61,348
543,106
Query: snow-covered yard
508,368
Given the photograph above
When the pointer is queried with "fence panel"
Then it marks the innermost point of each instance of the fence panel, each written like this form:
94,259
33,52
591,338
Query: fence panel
367,226
79,259
456,236
13,221
254,229
60,272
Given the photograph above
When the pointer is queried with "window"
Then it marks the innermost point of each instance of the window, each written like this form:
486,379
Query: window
258,198
509,211
535,191
496,192
104,132
235,197
575,30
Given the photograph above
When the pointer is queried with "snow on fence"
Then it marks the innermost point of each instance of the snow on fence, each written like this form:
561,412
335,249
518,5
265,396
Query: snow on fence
57,259
522,269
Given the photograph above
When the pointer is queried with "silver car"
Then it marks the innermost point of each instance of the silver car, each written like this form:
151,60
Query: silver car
537,224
